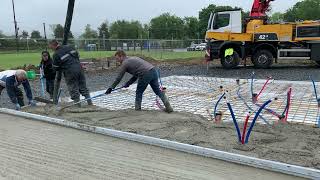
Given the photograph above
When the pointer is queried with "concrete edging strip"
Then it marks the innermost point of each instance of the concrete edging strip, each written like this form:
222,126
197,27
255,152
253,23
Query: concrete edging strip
221,155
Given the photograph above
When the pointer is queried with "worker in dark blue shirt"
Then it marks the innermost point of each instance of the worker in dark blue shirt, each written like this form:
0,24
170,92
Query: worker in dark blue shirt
11,80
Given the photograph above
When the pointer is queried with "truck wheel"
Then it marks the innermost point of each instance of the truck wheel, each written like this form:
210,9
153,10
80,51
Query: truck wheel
230,62
262,59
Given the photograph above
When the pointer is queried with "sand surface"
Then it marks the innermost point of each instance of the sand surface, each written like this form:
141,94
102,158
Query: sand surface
288,143
36,150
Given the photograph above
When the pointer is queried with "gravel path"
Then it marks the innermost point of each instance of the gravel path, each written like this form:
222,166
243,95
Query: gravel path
37,150
100,80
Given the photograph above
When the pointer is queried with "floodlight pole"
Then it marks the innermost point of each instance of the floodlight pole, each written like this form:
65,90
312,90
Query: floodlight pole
15,26
45,35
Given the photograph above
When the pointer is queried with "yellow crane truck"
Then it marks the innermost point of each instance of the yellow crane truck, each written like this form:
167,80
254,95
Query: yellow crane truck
230,39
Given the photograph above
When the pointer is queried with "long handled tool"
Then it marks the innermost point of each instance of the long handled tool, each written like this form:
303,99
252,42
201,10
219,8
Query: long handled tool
42,81
43,100
47,101
94,97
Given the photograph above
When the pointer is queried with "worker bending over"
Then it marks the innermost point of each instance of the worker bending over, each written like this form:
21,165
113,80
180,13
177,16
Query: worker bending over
11,80
145,73
66,61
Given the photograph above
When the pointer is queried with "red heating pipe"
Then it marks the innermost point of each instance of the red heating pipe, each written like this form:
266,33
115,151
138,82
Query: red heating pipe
263,87
245,128
289,103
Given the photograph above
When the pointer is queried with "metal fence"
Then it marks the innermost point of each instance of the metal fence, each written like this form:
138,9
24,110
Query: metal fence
12,45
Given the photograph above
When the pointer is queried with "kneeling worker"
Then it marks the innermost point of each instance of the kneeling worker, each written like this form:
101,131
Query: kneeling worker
10,80
145,73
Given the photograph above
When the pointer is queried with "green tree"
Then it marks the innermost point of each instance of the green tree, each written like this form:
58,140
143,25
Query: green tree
122,29
58,31
24,34
245,15
145,31
89,33
104,30
192,28
277,17
204,16
1,34
35,34
167,26
303,10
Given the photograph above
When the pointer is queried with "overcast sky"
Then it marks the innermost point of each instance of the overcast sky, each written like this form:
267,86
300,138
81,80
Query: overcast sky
31,14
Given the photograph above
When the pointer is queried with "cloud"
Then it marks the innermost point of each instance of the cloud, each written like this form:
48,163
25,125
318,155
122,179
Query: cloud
32,14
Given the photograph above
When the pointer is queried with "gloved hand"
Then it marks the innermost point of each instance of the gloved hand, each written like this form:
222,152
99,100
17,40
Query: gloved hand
1,88
108,91
18,107
32,103
126,85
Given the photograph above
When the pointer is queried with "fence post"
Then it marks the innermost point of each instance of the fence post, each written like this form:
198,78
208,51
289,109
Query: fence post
134,45
128,47
117,45
104,41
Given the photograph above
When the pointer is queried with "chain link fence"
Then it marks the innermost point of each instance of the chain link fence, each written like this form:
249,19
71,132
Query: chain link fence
12,45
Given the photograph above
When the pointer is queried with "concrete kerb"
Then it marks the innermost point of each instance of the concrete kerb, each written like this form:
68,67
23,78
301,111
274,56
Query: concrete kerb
211,153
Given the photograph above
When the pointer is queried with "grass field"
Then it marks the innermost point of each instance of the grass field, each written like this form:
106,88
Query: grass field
8,61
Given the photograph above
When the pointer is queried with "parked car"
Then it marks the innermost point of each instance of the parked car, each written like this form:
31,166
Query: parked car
201,47
192,47
91,47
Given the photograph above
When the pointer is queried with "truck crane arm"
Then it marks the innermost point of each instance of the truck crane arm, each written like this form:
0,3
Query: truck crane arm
259,8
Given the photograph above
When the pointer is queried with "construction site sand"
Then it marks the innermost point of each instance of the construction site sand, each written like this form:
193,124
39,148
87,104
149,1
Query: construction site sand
288,143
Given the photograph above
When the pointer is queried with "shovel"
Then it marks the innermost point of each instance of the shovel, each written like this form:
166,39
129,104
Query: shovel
94,97
47,101
43,100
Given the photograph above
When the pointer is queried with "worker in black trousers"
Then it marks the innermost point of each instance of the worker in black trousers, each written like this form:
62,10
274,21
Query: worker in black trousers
66,61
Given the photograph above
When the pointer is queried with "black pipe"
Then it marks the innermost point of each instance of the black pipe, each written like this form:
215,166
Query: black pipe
66,32
45,34
68,22
15,26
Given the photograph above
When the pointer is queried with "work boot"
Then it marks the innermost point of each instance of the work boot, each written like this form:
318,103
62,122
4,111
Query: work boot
166,104
89,101
76,101
51,96
137,106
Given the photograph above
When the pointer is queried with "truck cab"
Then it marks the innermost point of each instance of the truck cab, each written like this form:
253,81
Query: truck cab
232,39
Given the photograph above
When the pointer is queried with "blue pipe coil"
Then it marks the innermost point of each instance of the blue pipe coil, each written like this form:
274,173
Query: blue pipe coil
314,87
254,120
245,103
234,121
216,106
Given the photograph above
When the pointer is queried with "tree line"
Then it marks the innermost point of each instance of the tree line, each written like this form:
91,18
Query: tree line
168,26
